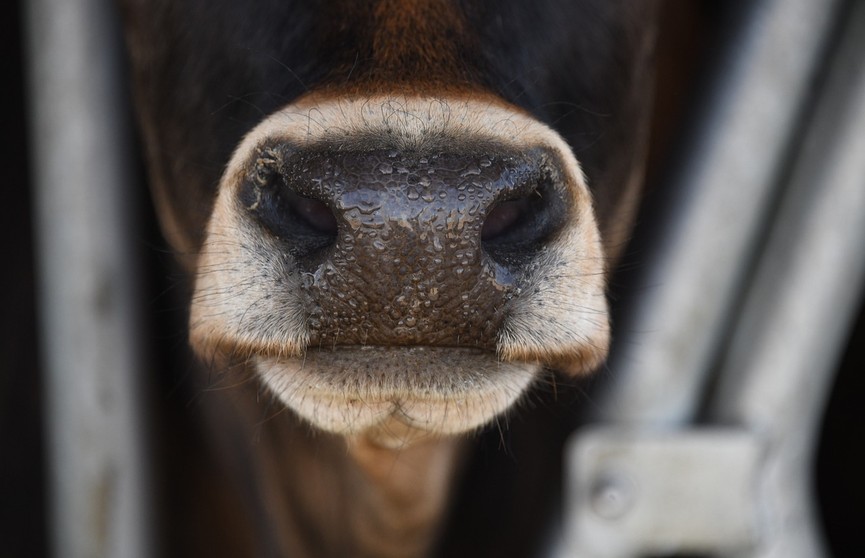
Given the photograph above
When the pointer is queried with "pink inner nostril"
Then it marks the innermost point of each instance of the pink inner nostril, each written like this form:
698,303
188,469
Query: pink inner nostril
316,214
502,217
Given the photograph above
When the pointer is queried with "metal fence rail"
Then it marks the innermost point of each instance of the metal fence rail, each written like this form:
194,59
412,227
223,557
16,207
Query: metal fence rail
87,291
721,195
708,435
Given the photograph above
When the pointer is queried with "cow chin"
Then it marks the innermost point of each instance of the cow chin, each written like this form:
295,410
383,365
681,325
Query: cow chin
349,258
397,395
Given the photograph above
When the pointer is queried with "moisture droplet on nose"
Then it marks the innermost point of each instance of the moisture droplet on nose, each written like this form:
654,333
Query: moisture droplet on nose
470,171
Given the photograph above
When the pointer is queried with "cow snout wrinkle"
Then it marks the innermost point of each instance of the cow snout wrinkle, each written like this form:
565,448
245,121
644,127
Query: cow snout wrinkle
406,248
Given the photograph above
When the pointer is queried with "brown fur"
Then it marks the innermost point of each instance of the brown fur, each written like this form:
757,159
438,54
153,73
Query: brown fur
401,45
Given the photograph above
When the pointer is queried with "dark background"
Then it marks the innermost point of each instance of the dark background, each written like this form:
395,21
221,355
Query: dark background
22,467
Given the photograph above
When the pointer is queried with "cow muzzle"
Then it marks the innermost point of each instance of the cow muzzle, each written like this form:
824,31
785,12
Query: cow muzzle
402,265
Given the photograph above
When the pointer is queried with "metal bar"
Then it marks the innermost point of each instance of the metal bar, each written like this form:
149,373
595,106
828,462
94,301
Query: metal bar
800,307
663,355
87,287
788,316
638,493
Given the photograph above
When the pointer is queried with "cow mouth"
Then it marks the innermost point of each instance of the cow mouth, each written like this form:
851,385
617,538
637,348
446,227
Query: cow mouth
395,390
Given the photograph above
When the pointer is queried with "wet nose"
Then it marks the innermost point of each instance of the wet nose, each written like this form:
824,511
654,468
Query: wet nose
407,247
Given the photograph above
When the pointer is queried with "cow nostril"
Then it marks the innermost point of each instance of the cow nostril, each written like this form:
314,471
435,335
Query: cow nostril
515,230
314,213
303,223
503,217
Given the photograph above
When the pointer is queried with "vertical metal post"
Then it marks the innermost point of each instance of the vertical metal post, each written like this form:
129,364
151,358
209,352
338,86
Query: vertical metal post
754,284
87,287
723,187
802,302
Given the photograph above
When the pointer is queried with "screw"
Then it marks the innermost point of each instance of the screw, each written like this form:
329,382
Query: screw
612,495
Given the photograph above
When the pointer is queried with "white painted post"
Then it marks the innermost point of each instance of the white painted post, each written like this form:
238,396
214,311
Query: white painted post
87,284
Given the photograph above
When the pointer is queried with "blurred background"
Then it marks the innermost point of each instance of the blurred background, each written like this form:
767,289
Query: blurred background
695,51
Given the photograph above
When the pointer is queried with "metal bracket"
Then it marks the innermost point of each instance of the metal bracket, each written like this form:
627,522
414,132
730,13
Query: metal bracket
636,493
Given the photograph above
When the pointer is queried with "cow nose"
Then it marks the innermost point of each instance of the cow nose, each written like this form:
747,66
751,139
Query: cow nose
407,247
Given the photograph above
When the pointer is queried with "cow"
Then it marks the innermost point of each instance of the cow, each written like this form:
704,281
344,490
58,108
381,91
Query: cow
395,219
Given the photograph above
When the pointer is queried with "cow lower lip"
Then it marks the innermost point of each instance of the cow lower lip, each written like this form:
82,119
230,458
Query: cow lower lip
439,390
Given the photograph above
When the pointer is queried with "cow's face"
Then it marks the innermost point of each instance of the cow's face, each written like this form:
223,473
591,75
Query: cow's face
402,260
398,246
